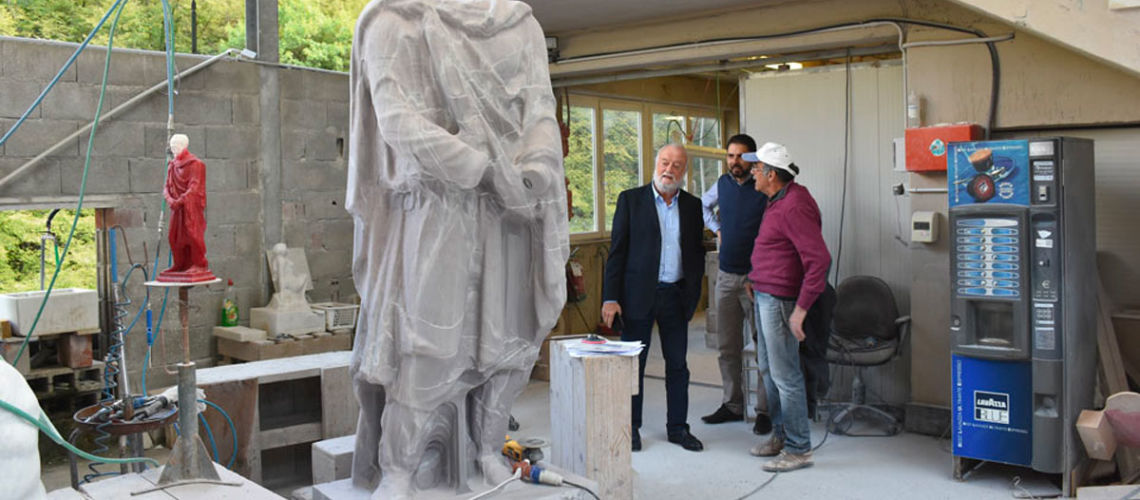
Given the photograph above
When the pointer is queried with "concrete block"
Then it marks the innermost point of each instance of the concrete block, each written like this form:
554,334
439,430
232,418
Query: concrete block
36,60
74,351
67,310
200,108
318,175
332,459
118,139
231,77
233,142
233,207
327,264
324,146
246,109
18,95
292,82
42,179
152,109
239,333
292,145
220,239
126,67
304,114
247,239
35,136
326,86
146,176
154,71
226,175
72,101
325,204
104,176
336,114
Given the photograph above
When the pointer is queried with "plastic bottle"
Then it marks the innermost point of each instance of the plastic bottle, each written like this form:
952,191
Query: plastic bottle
913,110
229,305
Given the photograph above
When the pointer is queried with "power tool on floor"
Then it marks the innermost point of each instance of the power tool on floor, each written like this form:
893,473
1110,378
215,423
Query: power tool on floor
523,449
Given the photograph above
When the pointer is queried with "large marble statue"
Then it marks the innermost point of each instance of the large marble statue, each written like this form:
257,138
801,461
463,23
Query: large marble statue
185,192
455,185
19,451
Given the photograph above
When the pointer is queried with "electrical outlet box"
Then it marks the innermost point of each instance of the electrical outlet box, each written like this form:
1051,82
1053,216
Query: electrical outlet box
924,226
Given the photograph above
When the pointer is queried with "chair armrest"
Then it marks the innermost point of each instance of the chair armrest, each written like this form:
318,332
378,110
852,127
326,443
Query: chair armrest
903,324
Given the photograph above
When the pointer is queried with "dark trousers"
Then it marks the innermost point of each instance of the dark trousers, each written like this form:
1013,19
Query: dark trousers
669,313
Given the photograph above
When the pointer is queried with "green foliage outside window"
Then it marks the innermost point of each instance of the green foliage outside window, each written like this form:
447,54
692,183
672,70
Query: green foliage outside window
20,233
622,159
579,165
316,34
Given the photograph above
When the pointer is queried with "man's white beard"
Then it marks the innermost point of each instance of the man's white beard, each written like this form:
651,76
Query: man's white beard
665,187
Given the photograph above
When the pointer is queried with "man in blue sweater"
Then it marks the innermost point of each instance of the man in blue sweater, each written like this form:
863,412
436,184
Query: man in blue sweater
741,209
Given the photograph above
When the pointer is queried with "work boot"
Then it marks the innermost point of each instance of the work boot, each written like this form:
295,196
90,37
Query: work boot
763,424
770,448
721,415
787,462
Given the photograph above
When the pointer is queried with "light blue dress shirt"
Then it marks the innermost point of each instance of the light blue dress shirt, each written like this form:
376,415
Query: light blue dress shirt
669,220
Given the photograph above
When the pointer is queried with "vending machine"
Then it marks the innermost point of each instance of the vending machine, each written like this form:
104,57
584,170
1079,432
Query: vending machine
1023,300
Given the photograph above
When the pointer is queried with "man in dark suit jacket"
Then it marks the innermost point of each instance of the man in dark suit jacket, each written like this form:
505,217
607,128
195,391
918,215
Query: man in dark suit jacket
654,273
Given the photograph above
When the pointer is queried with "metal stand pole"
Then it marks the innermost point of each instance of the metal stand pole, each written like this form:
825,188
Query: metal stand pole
189,459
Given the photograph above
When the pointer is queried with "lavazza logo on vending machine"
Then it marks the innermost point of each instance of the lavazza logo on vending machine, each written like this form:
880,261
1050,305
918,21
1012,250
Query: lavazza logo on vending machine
992,407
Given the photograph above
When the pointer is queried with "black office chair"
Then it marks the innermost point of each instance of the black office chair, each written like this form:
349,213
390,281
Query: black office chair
866,331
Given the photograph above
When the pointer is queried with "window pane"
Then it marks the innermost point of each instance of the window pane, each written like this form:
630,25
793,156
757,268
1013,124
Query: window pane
706,131
703,173
667,128
579,166
622,149
22,233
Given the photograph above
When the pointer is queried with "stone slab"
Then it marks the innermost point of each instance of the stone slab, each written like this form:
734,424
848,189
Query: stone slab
288,322
239,333
332,459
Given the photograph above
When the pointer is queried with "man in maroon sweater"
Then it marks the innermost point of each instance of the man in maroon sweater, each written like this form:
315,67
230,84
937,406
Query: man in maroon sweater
789,271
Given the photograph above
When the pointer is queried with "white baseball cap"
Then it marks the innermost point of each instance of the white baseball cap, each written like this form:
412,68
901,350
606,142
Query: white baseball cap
772,154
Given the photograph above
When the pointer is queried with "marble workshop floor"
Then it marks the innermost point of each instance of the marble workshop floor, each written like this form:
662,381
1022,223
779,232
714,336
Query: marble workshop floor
906,466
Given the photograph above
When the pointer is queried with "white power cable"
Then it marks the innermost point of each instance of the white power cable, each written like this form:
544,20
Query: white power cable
517,475
960,41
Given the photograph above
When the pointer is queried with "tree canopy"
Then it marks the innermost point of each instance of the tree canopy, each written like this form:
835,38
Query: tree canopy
312,33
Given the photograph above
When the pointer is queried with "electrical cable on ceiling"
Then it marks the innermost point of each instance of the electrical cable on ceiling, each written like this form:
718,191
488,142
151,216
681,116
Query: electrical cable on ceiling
895,21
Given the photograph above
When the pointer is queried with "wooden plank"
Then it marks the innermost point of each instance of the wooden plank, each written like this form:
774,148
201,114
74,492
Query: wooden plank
1112,368
1117,492
589,418
239,400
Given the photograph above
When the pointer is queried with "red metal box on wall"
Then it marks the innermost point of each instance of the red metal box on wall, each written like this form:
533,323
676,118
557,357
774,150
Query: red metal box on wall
926,146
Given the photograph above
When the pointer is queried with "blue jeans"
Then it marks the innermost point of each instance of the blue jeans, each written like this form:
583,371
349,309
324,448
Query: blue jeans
779,352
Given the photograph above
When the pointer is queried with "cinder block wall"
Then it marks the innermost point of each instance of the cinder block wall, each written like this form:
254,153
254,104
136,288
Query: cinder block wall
218,108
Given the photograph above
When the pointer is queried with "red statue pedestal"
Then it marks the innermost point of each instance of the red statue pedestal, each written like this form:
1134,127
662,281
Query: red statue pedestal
187,276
